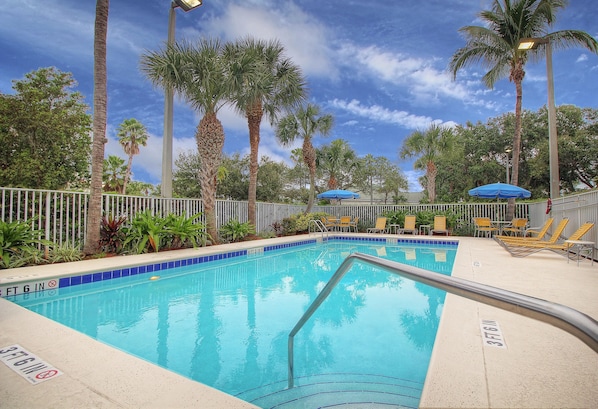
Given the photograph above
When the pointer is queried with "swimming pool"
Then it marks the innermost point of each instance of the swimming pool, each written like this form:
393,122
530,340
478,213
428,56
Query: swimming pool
225,323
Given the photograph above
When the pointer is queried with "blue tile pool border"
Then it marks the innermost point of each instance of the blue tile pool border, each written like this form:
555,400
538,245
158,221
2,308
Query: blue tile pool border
85,278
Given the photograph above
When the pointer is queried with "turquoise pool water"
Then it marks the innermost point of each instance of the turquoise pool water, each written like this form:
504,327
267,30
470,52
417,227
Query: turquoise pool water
225,323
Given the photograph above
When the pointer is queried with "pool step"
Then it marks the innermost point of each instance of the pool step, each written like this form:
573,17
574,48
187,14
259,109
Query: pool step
350,391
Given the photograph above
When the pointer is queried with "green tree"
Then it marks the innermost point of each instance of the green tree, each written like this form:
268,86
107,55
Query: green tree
429,145
131,134
337,161
264,83
496,45
271,180
94,213
115,174
197,72
305,123
44,132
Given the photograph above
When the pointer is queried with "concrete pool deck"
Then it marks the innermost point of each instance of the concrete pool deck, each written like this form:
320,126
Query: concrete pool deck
542,366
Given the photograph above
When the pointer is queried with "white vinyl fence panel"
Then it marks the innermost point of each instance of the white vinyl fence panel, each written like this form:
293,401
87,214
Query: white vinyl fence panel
61,216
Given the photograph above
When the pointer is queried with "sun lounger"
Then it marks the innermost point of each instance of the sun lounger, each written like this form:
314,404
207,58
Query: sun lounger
440,225
525,249
535,233
380,226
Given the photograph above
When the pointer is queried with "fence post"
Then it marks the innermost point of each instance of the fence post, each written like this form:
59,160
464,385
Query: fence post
47,232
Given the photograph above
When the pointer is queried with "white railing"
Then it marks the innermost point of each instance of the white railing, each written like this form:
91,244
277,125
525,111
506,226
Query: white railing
61,215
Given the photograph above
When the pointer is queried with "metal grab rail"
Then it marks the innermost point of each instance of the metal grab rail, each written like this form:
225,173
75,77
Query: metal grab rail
575,322
319,225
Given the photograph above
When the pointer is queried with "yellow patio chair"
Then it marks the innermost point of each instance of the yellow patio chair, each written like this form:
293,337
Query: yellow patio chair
409,226
353,223
516,227
380,226
344,223
483,225
440,225
329,223
537,233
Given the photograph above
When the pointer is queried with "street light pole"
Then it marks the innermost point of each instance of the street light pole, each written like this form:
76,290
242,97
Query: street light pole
553,146
167,140
532,43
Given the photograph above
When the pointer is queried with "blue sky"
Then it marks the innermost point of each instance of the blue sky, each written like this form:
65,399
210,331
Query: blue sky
378,67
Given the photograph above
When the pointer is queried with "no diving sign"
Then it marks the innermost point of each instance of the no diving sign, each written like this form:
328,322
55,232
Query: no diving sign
28,365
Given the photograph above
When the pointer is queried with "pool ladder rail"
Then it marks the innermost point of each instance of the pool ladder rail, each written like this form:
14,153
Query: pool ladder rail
568,319
317,226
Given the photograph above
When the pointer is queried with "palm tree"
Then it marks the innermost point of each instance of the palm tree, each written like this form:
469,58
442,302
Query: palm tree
94,214
337,160
305,123
131,134
264,82
430,145
496,45
115,174
197,74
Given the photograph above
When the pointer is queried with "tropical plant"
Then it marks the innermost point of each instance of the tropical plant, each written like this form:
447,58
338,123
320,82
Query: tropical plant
430,145
182,231
146,233
198,74
305,123
18,241
234,230
264,82
112,234
497,45
65,253
131,134
94,213
115,174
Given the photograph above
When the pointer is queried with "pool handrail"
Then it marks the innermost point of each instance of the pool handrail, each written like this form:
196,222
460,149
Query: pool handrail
568,319
317,223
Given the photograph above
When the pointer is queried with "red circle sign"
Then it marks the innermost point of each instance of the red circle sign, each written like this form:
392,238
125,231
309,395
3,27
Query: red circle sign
46,374
52,283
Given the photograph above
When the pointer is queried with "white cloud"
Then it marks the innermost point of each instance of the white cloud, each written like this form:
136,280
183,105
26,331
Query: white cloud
425,83
303,37
378,113
412,177
582,58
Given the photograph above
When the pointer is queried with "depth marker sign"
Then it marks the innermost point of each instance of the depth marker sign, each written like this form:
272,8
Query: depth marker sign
28,365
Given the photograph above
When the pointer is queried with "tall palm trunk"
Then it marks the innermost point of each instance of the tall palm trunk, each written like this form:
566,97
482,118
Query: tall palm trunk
128,173
309,156
517,75
94,215
431,173
254,119
210,141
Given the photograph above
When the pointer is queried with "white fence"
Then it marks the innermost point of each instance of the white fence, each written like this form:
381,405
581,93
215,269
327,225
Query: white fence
62,215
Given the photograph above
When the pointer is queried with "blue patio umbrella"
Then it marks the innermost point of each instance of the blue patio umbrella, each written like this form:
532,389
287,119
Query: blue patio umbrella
338,194
500,191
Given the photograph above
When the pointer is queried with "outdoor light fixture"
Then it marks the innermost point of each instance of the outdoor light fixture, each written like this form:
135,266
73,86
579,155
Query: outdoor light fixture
508,152
166,185
187,5
531,44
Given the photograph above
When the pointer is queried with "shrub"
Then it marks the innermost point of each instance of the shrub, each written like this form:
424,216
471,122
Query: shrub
183,232
234,231
111,233
145,234
18,244
65,253
299,223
